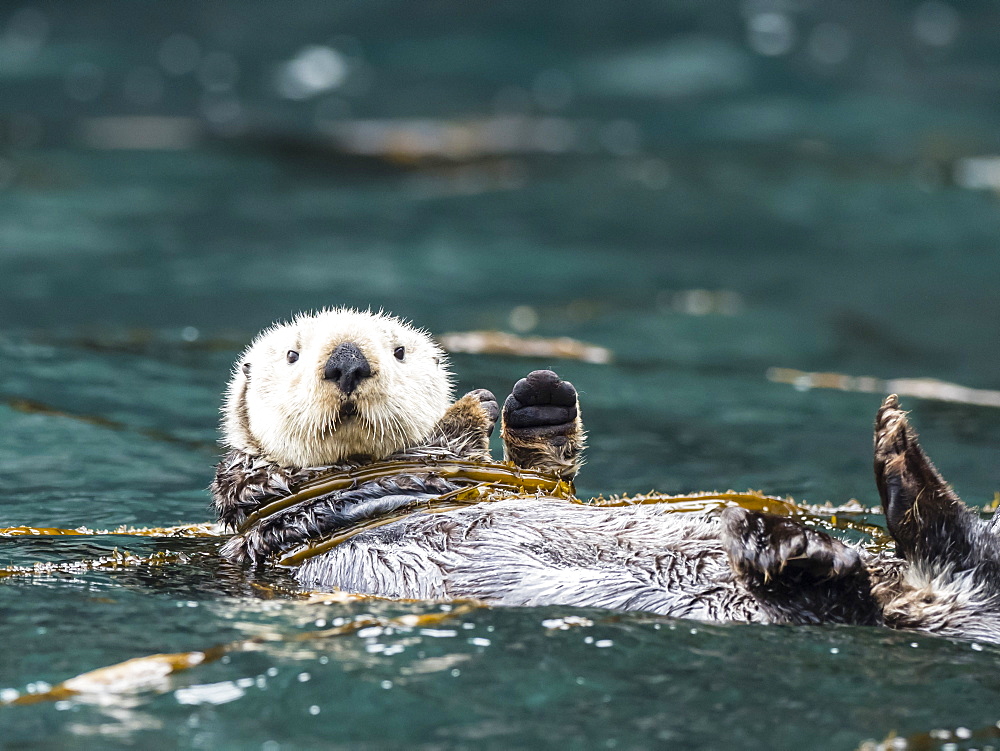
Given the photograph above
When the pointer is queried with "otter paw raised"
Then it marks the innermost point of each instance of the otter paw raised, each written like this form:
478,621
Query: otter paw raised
541,425
488,402
541,402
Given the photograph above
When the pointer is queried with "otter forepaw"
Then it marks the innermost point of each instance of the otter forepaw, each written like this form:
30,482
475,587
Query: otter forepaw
541,403
467,425
489,404
541,424
769,546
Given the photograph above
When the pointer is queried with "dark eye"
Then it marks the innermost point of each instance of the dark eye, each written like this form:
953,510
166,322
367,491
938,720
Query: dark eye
246,369
399,353
292,355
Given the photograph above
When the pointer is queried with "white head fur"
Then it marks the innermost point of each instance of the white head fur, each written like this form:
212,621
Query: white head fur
281,407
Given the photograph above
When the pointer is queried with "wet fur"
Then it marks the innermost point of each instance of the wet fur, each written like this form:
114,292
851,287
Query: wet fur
736,565
286,412
544,552
542,428
244,483
950,583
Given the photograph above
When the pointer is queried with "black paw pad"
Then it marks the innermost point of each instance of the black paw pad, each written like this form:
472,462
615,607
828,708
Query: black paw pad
540,400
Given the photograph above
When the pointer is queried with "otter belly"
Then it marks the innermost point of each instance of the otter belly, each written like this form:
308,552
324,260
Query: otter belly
543,552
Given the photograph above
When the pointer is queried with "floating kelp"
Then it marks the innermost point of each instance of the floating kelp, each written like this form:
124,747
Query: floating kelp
488,482
203,529
503,477
149,673
751,500
39,531
116,560
511,345
922,388
480,482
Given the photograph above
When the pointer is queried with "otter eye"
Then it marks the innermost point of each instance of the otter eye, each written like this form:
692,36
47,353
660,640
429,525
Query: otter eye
399,353
292,355
246,369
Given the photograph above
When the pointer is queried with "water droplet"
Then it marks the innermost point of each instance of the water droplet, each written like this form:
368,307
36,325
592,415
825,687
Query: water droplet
26,32
224,112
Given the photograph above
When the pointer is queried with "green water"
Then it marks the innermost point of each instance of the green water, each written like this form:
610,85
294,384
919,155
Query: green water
821,197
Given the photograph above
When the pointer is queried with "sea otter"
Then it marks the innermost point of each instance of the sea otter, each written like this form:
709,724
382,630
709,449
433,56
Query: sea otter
339,388
346,389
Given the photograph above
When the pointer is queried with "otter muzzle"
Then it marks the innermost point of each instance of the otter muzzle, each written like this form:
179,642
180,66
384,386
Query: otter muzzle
347,366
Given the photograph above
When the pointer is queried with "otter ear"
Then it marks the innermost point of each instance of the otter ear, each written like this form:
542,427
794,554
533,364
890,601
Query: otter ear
246,369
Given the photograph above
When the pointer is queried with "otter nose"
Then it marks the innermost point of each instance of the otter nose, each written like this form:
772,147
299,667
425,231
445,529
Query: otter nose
347,366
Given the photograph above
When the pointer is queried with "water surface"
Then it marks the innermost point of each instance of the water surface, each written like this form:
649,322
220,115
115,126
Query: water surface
819,200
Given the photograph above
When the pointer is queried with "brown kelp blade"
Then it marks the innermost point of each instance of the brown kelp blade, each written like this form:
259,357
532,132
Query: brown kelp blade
503,475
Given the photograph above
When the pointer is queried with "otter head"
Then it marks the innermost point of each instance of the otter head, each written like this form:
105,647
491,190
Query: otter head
334,385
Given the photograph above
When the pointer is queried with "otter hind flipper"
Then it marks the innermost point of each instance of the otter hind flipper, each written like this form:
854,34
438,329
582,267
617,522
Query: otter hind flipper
542,428
950,583
924,515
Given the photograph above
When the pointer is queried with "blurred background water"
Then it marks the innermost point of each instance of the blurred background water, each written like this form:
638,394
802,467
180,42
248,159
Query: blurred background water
710,190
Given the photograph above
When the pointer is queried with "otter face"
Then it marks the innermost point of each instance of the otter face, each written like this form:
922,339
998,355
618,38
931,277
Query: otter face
333,385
